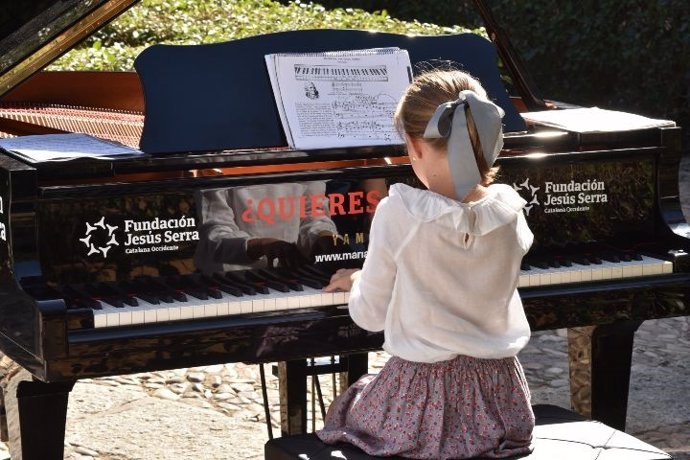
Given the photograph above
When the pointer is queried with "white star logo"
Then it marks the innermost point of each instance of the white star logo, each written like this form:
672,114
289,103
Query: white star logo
532,198
105,231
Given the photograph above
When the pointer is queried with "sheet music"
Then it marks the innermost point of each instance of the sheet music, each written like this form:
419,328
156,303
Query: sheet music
340,98
593,119
61,147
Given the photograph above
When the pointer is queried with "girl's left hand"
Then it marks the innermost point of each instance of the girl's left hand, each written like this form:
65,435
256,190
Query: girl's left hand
342,280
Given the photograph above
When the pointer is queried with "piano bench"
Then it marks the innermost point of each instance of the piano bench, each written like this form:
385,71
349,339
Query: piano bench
559,434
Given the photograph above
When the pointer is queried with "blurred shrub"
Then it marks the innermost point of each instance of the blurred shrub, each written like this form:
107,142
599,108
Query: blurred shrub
621,54
207,21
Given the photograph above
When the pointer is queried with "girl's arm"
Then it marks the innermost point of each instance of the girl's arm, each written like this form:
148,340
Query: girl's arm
370,288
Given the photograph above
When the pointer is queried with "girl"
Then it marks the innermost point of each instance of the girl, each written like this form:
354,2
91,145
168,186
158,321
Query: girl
440,279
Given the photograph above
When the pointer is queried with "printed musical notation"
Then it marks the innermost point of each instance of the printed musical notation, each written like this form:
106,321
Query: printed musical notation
365,117
339,99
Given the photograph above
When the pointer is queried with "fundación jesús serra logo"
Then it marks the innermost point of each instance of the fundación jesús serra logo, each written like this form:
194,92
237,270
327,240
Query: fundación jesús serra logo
529,193
99,237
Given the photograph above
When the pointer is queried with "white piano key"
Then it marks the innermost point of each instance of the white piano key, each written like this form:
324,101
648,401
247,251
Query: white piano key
174,310
148,312
187,309
107,316
235,307
523,281
597,272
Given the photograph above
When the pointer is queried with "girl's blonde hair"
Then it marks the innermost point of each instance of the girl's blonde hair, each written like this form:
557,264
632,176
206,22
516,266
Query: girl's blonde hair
419,101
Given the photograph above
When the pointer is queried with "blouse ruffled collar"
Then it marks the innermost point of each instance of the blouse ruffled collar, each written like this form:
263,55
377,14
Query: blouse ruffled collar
500,206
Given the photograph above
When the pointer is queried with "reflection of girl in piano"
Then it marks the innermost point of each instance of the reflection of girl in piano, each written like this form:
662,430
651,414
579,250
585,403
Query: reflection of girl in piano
262,225
440,279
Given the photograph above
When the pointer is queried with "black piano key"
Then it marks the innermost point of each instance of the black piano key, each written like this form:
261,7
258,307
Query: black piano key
239,277
566,262
198,284
581,260
114,301
303,277
289,281
593,258
314,273
133,290
197,293
150,298
167,293
524,266
79,297
611,256
235,280
214,293
539,263
260,278
218,281
113,293
85,302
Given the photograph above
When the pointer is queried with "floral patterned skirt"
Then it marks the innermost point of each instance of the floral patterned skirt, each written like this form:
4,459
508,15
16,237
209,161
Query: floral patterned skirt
457,409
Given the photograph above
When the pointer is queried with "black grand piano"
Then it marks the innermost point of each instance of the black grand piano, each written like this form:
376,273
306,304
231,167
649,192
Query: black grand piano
213,244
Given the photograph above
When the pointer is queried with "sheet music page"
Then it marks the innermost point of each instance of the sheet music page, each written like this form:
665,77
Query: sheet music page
61,147
339,98
593,119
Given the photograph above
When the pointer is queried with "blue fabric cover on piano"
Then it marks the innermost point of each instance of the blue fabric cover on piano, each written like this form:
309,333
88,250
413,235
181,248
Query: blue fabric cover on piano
218,96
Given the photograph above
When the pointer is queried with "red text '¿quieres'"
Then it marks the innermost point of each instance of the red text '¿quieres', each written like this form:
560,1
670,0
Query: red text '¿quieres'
288,207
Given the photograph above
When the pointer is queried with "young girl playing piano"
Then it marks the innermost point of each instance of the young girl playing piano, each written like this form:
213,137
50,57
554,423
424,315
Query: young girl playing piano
440,279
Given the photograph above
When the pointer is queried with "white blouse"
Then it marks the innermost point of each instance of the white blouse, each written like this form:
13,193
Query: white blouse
440,277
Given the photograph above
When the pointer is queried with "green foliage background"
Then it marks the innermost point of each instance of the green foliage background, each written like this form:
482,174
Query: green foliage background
622,54
207,21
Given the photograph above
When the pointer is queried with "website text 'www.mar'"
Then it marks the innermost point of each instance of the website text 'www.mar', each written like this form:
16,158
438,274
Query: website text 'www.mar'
355,255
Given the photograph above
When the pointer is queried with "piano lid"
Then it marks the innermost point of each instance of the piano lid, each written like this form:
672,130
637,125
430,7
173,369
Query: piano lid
35,33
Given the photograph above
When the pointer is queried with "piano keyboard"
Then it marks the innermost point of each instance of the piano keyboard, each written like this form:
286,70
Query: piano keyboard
591,269
194,308
187,297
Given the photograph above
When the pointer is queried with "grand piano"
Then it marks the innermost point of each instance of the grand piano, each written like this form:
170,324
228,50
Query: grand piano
212,243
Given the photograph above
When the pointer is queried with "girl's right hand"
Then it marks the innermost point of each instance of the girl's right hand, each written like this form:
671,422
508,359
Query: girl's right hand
342,280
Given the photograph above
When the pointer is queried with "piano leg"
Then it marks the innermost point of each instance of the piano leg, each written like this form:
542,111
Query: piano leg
36,415
600,360
292,378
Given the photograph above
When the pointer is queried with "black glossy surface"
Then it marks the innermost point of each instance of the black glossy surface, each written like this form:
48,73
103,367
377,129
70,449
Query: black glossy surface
26,26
